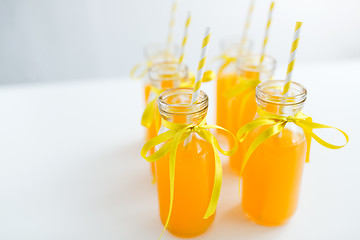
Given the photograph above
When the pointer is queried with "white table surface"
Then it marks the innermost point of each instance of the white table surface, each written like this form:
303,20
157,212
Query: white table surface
70,166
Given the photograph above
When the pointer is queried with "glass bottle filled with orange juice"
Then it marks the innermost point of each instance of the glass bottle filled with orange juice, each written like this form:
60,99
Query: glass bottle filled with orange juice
157,53
194,171
162,76
242,103
272,175
227,76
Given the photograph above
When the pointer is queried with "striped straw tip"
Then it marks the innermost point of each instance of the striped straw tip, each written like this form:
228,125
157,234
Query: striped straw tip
298,25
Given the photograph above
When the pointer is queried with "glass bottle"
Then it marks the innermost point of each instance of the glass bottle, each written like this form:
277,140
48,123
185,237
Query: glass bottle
227,77
162,76
157,53
195,166
272,176
242,107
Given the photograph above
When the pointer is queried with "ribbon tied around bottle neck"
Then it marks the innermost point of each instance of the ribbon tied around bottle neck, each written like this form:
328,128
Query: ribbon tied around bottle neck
244,85
276,124
176,134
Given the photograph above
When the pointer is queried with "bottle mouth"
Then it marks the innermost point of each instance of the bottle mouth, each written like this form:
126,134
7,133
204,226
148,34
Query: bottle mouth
168,71
251,63
177,101
271,92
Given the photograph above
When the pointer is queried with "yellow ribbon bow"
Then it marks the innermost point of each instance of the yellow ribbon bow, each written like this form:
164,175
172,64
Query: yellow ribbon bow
176,134
277,124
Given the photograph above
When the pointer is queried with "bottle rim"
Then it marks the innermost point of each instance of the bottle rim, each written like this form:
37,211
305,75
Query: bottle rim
184,108
178,71
271,92
251,62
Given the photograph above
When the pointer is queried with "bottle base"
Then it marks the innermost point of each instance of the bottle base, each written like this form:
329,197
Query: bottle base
264,222
193,234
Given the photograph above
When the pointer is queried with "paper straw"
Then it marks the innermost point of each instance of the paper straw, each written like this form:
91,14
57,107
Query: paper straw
201,65
266,32
292,58
188,20
247,25
171,26
199,75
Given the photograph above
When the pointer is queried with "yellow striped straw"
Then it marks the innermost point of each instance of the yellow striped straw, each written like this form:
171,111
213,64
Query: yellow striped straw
292,58
200,70
267,32
188,20
171,25
247,25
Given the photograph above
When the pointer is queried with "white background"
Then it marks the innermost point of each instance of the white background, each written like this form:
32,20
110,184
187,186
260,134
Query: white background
89,39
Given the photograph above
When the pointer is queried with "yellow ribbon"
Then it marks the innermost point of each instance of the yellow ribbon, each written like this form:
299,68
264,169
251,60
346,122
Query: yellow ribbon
208,76
277,124
244,85
150,109
176,134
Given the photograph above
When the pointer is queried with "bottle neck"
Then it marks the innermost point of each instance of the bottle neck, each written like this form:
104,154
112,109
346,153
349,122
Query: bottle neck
167,75
250,68
269,98
175,106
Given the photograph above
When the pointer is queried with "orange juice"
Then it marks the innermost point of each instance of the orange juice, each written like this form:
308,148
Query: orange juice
225,81
243,106
194,168
271,178
272,175
146,92
227,78
194,179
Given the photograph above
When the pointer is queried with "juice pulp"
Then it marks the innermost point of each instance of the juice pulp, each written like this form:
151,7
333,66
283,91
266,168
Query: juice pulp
194,179
272,176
